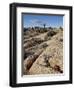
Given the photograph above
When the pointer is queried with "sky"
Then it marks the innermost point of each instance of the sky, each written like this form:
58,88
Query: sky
32,20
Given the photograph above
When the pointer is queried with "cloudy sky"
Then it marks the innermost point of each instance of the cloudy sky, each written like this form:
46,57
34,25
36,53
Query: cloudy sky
32,20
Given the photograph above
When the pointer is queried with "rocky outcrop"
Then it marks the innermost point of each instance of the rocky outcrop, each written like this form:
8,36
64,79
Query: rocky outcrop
30,60
47,54
51,59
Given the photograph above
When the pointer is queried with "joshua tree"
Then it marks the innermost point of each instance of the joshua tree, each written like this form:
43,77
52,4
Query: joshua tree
44,25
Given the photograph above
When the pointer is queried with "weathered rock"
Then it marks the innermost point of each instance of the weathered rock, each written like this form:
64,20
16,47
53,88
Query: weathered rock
53,64
30,60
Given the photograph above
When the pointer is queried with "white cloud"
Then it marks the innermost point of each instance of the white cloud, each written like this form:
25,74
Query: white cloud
36,21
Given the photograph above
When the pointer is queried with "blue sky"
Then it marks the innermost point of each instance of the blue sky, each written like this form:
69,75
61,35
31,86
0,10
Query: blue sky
31,20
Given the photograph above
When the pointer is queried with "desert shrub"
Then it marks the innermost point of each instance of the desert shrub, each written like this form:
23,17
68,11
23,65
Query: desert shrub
57,68
33,42
51,33
26,54
44,45
29,44
46,59
50,28
37,40
42,30
61,40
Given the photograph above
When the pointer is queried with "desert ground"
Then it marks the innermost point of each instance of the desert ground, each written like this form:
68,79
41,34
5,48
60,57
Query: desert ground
43,51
